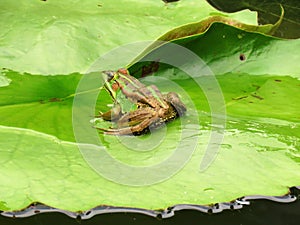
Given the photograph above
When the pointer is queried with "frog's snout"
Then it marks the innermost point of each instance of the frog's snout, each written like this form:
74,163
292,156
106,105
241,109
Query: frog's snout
109,75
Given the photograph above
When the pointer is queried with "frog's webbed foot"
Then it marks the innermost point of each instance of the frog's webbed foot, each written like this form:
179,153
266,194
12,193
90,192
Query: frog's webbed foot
111,115
138,129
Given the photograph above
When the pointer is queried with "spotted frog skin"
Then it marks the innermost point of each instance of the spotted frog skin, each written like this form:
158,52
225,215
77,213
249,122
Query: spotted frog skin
148,107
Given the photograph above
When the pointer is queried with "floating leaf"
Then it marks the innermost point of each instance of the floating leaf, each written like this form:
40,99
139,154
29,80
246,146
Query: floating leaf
55,37
42,117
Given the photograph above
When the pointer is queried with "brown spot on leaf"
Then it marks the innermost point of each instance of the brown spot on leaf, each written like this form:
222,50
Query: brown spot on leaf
239,98
167,1
256,86
242,57
277,80
55,100
257,96
151,68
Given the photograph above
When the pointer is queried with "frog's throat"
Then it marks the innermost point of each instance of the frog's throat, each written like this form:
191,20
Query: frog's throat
111,92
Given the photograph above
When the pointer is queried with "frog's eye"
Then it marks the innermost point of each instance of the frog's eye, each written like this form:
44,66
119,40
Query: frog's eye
123,71
110,74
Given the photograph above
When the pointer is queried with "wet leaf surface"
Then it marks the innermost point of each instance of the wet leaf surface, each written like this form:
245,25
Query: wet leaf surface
40,160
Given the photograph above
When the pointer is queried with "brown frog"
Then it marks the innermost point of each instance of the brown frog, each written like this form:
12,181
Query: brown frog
147,107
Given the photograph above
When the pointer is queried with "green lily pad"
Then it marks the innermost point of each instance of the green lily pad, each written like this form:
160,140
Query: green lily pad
258,155
55,37
268,12
50,153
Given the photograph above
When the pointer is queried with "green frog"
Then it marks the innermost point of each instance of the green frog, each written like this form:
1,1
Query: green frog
137,106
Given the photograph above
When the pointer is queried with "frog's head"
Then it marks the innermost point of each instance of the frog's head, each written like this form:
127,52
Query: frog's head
111,78
109,75
115,81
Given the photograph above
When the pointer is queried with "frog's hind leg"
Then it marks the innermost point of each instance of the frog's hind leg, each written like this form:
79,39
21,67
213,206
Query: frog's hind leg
111,115
136,117
134,130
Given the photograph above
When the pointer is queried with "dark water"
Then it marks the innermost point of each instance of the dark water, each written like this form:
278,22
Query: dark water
259,212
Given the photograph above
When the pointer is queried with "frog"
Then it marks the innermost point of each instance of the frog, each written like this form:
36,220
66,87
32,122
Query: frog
137,108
